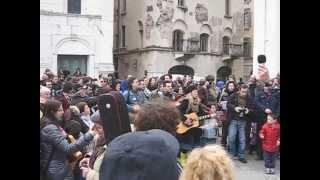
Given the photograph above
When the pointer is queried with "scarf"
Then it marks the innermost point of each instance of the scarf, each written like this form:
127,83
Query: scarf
242,101
98,149
86,120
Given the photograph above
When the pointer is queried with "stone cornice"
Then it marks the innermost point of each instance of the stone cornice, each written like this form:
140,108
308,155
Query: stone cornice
158,48
51,13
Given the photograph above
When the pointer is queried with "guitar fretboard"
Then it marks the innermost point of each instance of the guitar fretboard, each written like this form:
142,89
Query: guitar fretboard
204,117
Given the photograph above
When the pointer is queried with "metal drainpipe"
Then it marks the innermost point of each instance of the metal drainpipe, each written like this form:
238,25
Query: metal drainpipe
118,40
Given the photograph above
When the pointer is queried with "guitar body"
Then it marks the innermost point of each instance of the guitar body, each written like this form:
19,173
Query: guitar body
182,128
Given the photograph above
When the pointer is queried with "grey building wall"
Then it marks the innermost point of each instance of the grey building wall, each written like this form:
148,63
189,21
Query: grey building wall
151,49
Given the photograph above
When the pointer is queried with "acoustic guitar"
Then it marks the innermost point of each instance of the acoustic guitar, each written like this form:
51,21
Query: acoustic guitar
183,128
76,156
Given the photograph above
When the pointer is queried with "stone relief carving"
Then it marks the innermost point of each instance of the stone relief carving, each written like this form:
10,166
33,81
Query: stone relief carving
149,23
247,1
238,28
149,8
201,13
159,4
164,21
166,15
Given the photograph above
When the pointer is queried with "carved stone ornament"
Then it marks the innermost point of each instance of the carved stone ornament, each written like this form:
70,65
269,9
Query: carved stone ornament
237,26
159,4
247,1
201,13
166,15
149,23
149,8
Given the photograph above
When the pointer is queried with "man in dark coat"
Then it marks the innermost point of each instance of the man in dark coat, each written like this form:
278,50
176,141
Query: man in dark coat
267,102
65,97
240,106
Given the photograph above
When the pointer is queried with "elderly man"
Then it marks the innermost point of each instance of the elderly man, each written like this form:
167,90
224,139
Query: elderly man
45,95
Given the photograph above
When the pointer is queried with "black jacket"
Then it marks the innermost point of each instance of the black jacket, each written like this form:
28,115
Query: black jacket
233,102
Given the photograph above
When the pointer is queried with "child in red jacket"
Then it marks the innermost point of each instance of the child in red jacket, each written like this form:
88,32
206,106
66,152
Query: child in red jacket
270,135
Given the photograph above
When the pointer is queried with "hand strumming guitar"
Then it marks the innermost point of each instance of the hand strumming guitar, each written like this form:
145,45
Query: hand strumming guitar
188,122
136,108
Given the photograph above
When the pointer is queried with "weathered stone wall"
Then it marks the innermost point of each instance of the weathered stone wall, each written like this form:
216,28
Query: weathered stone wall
161,17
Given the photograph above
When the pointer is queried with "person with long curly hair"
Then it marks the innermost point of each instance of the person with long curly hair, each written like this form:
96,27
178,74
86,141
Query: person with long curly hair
210,162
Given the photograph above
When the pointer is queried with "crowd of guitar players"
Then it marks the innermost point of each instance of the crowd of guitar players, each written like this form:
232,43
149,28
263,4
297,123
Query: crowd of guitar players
68,108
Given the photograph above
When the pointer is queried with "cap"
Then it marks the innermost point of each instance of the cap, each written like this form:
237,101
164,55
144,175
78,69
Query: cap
141,155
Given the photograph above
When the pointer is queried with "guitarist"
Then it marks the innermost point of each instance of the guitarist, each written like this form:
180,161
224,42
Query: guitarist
190,104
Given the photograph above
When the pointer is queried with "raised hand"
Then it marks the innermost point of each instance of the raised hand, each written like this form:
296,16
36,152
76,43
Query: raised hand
263,73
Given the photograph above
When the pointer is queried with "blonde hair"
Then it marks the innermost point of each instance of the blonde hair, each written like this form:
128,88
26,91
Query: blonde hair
208,163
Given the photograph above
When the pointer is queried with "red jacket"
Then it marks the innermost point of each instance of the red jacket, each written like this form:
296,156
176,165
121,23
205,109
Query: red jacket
271,133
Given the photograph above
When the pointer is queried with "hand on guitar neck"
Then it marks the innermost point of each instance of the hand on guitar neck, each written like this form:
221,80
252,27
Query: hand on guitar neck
188,122
136,108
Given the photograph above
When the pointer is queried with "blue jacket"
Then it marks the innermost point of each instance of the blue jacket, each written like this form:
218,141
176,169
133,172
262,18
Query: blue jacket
51,136
273,102
133,98
124,86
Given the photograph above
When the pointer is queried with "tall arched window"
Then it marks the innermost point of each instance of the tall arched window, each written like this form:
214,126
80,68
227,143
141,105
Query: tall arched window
226,45
247,47
177,43
204,42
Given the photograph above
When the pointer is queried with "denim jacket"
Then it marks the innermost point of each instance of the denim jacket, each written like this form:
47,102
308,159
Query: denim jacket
133,98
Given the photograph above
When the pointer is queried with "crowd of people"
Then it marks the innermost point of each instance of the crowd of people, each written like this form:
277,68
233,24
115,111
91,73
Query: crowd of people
75,145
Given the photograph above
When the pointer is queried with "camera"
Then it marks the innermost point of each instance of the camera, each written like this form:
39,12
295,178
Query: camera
241,112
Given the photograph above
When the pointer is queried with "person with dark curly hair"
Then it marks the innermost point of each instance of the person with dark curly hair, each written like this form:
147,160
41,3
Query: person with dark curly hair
158,114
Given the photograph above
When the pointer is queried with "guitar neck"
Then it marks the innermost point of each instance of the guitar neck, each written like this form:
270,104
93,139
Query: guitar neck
205,117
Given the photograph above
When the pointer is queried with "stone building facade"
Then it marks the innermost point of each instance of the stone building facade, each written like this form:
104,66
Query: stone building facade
200,37
76,33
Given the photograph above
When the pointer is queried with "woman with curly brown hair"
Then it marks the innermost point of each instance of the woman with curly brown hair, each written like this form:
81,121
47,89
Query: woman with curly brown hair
210,162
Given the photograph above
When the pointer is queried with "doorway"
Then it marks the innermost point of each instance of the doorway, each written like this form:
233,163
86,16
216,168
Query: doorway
71,62
223,73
